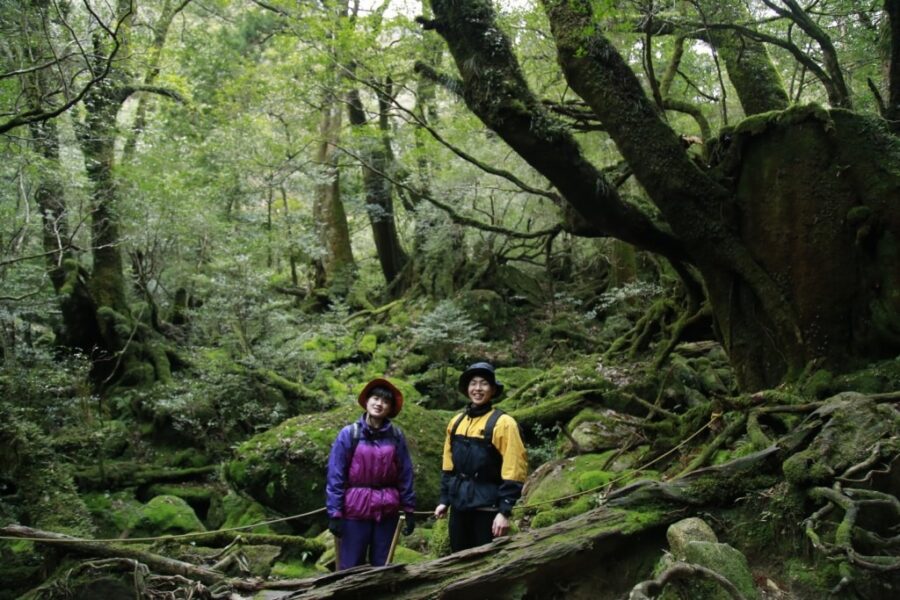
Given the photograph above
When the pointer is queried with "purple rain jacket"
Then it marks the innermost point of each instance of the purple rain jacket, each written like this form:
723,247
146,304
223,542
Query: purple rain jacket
376,481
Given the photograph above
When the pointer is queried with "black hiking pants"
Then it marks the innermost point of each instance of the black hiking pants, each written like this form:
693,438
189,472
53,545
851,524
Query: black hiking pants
470,528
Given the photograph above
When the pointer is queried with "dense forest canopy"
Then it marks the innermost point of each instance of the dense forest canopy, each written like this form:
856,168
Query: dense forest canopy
219,218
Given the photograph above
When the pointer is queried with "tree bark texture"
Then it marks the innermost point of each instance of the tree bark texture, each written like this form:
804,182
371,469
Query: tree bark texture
750,69
80,328
335,268
892,112
768,302
379,192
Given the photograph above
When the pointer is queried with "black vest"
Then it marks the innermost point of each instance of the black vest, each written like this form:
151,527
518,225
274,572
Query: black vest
476,478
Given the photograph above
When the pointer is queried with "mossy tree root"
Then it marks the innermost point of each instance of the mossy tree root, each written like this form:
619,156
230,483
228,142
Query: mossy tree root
636,338
289,544
842,546
677,330
680,570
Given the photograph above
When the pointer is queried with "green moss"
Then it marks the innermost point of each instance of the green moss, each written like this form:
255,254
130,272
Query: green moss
593,479
555,515
515,377
638,520
284,468
368,344
816,580
817,385
756,124
241,512
113,513
166,515
71,269
293,570
586,415
412,363
408,556
439,542
45,483
724,560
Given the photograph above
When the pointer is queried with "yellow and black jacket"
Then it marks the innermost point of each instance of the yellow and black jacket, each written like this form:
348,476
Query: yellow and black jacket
478,473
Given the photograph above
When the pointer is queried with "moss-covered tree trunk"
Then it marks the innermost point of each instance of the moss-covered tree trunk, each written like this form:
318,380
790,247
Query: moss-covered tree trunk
747,62
126,352
892,108
778,308
79,328
377,161
336,266
335,269
817,201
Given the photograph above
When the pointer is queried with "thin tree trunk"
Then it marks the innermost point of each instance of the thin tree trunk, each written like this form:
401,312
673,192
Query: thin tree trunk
379,192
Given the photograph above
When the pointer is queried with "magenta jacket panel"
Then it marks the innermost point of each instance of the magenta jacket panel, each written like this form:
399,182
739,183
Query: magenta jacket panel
375,480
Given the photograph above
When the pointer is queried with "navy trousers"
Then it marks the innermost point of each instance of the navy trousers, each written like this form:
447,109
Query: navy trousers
366,542
470,528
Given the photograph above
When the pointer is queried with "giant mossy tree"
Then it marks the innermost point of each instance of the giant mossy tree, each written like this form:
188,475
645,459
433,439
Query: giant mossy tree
98,316
793,221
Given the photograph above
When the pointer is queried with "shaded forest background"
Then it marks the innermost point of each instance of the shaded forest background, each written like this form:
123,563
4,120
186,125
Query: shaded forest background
674,227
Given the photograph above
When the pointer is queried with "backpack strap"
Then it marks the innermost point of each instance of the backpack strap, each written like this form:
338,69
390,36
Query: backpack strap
356,434
459,419
489,426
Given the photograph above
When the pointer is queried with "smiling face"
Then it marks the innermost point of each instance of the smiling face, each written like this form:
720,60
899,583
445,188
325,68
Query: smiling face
378,408
480,390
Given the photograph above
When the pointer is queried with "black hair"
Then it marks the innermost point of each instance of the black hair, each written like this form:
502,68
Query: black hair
383,393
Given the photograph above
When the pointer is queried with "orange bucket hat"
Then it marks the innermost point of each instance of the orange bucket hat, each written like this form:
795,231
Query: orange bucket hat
396,405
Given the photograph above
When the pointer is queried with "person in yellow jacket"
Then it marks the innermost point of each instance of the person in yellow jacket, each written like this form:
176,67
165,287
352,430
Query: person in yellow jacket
484,465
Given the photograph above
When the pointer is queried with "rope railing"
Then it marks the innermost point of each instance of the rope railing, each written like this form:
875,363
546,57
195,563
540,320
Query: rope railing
181,536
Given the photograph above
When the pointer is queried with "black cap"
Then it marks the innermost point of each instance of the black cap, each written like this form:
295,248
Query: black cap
480,369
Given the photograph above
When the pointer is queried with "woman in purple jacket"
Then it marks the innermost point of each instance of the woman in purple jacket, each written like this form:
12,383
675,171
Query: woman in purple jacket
370,480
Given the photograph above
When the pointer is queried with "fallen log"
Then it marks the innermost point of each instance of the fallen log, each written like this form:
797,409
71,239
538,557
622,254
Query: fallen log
551,561
155,562
128,474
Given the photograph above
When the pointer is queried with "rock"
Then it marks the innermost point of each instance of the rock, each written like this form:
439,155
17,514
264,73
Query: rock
726,561
688,530
283,469
166,515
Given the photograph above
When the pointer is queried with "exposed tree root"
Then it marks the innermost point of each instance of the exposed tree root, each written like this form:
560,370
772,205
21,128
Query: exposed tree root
681,570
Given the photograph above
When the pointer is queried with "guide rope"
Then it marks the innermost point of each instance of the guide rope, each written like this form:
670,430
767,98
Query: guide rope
181,536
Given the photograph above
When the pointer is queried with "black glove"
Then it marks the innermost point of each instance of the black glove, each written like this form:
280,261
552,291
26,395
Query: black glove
336,526
410,523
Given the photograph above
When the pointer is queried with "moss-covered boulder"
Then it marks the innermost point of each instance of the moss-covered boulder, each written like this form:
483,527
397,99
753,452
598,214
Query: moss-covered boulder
113,512
284,468
727,562
598,430
693,529
693,541
562,489
237,511
166,515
